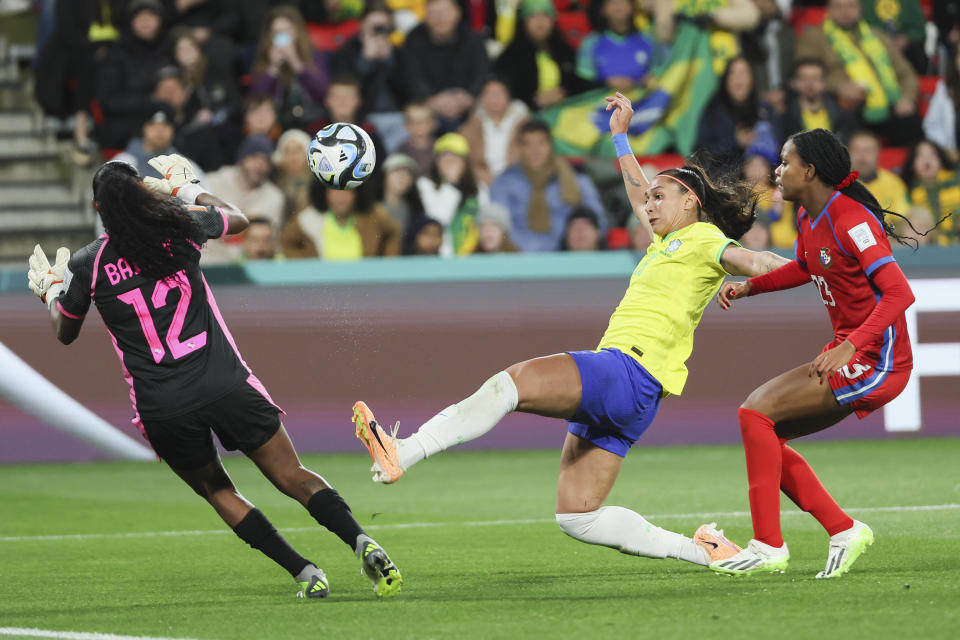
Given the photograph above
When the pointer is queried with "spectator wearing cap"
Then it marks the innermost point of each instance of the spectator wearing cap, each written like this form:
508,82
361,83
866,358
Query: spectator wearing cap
247,184
493,230
539,65
156,140
449,193
126,78
293,174
811,107
491,131
866,71
541,190
445,63
400,194
617,55
341,225
581,231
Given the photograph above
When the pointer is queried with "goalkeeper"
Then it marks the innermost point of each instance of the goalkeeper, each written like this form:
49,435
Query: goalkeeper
187,378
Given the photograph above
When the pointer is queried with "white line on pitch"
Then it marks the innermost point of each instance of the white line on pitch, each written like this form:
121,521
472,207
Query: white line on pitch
72,635
476,523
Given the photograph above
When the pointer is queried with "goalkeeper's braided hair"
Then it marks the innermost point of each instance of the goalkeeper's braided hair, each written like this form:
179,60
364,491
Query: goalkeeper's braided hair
155,233
831,161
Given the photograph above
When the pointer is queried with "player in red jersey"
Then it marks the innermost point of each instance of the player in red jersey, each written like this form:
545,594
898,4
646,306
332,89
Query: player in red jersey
842,247
187,378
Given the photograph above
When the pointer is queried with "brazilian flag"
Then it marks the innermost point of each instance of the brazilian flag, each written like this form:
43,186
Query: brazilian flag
666,114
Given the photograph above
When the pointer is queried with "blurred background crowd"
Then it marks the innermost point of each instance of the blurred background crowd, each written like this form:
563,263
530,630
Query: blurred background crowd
481,109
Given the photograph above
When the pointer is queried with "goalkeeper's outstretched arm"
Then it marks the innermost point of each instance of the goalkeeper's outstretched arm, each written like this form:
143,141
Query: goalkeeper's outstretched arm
236,220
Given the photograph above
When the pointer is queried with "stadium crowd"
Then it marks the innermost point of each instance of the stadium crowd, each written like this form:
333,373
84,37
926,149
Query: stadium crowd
455,94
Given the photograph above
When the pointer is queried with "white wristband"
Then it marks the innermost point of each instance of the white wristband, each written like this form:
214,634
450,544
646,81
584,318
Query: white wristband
53,294
189,192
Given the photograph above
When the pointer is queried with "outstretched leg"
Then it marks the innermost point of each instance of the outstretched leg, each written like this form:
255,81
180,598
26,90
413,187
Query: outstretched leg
548,386
587,474
212,483
278,461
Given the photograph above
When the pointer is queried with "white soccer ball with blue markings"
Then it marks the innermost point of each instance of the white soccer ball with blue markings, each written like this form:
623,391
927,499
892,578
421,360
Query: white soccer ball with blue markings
342,155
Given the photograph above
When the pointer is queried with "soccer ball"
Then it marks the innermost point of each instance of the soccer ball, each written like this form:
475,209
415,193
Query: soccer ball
342,156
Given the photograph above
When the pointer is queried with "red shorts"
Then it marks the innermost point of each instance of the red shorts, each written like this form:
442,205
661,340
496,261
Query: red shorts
864,388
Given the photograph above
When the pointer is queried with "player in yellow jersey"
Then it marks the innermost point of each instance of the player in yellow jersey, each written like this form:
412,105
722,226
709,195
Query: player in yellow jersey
610,396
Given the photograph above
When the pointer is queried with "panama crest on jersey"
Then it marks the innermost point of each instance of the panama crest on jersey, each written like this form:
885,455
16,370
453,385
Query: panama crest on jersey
825,258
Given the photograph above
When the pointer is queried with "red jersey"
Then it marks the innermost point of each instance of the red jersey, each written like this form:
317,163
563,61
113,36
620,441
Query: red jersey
841,249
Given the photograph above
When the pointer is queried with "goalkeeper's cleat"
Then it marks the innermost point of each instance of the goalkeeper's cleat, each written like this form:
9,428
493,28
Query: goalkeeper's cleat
380,569
845,548
758,557
382,447
717,545
313,583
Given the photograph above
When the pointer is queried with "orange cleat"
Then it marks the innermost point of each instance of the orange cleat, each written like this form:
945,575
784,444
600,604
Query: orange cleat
718,546
382,447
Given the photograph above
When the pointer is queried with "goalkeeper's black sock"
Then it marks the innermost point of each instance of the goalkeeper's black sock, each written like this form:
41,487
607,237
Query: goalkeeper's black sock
260,534
330,510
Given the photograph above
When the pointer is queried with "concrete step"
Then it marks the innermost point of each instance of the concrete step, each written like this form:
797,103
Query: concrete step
48,219
48,168
20,121
36,195
14,96
20,146
15,247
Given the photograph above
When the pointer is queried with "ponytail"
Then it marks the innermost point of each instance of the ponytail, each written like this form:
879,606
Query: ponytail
831,161
149,231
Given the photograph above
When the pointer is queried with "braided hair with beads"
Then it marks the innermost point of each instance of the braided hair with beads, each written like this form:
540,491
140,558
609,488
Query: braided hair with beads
831,160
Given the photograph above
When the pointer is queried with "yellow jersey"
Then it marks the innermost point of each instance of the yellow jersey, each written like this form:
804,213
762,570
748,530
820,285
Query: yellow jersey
664,302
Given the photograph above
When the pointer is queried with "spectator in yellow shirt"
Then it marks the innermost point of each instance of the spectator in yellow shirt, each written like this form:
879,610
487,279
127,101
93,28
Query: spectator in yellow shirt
889,190
931,176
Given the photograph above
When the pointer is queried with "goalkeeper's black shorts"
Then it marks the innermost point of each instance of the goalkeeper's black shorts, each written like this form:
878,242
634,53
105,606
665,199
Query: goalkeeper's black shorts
243,419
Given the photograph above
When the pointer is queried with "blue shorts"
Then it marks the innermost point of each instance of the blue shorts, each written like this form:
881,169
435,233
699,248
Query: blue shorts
618,402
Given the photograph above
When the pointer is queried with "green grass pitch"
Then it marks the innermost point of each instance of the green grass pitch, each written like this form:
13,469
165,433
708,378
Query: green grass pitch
481,557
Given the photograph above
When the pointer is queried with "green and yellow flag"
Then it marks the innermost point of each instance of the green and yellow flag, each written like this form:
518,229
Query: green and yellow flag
666,114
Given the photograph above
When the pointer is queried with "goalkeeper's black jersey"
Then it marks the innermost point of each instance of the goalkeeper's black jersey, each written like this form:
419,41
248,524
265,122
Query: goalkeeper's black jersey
177,353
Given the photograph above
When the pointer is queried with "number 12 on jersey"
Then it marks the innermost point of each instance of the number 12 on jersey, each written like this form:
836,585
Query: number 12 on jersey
177,348
824,290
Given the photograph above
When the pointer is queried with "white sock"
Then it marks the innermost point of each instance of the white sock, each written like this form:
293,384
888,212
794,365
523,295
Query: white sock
465,421
629,532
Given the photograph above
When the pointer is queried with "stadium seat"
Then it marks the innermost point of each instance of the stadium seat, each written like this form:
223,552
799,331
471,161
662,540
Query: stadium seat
574,26
892,158
330,37
803,17
928,84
